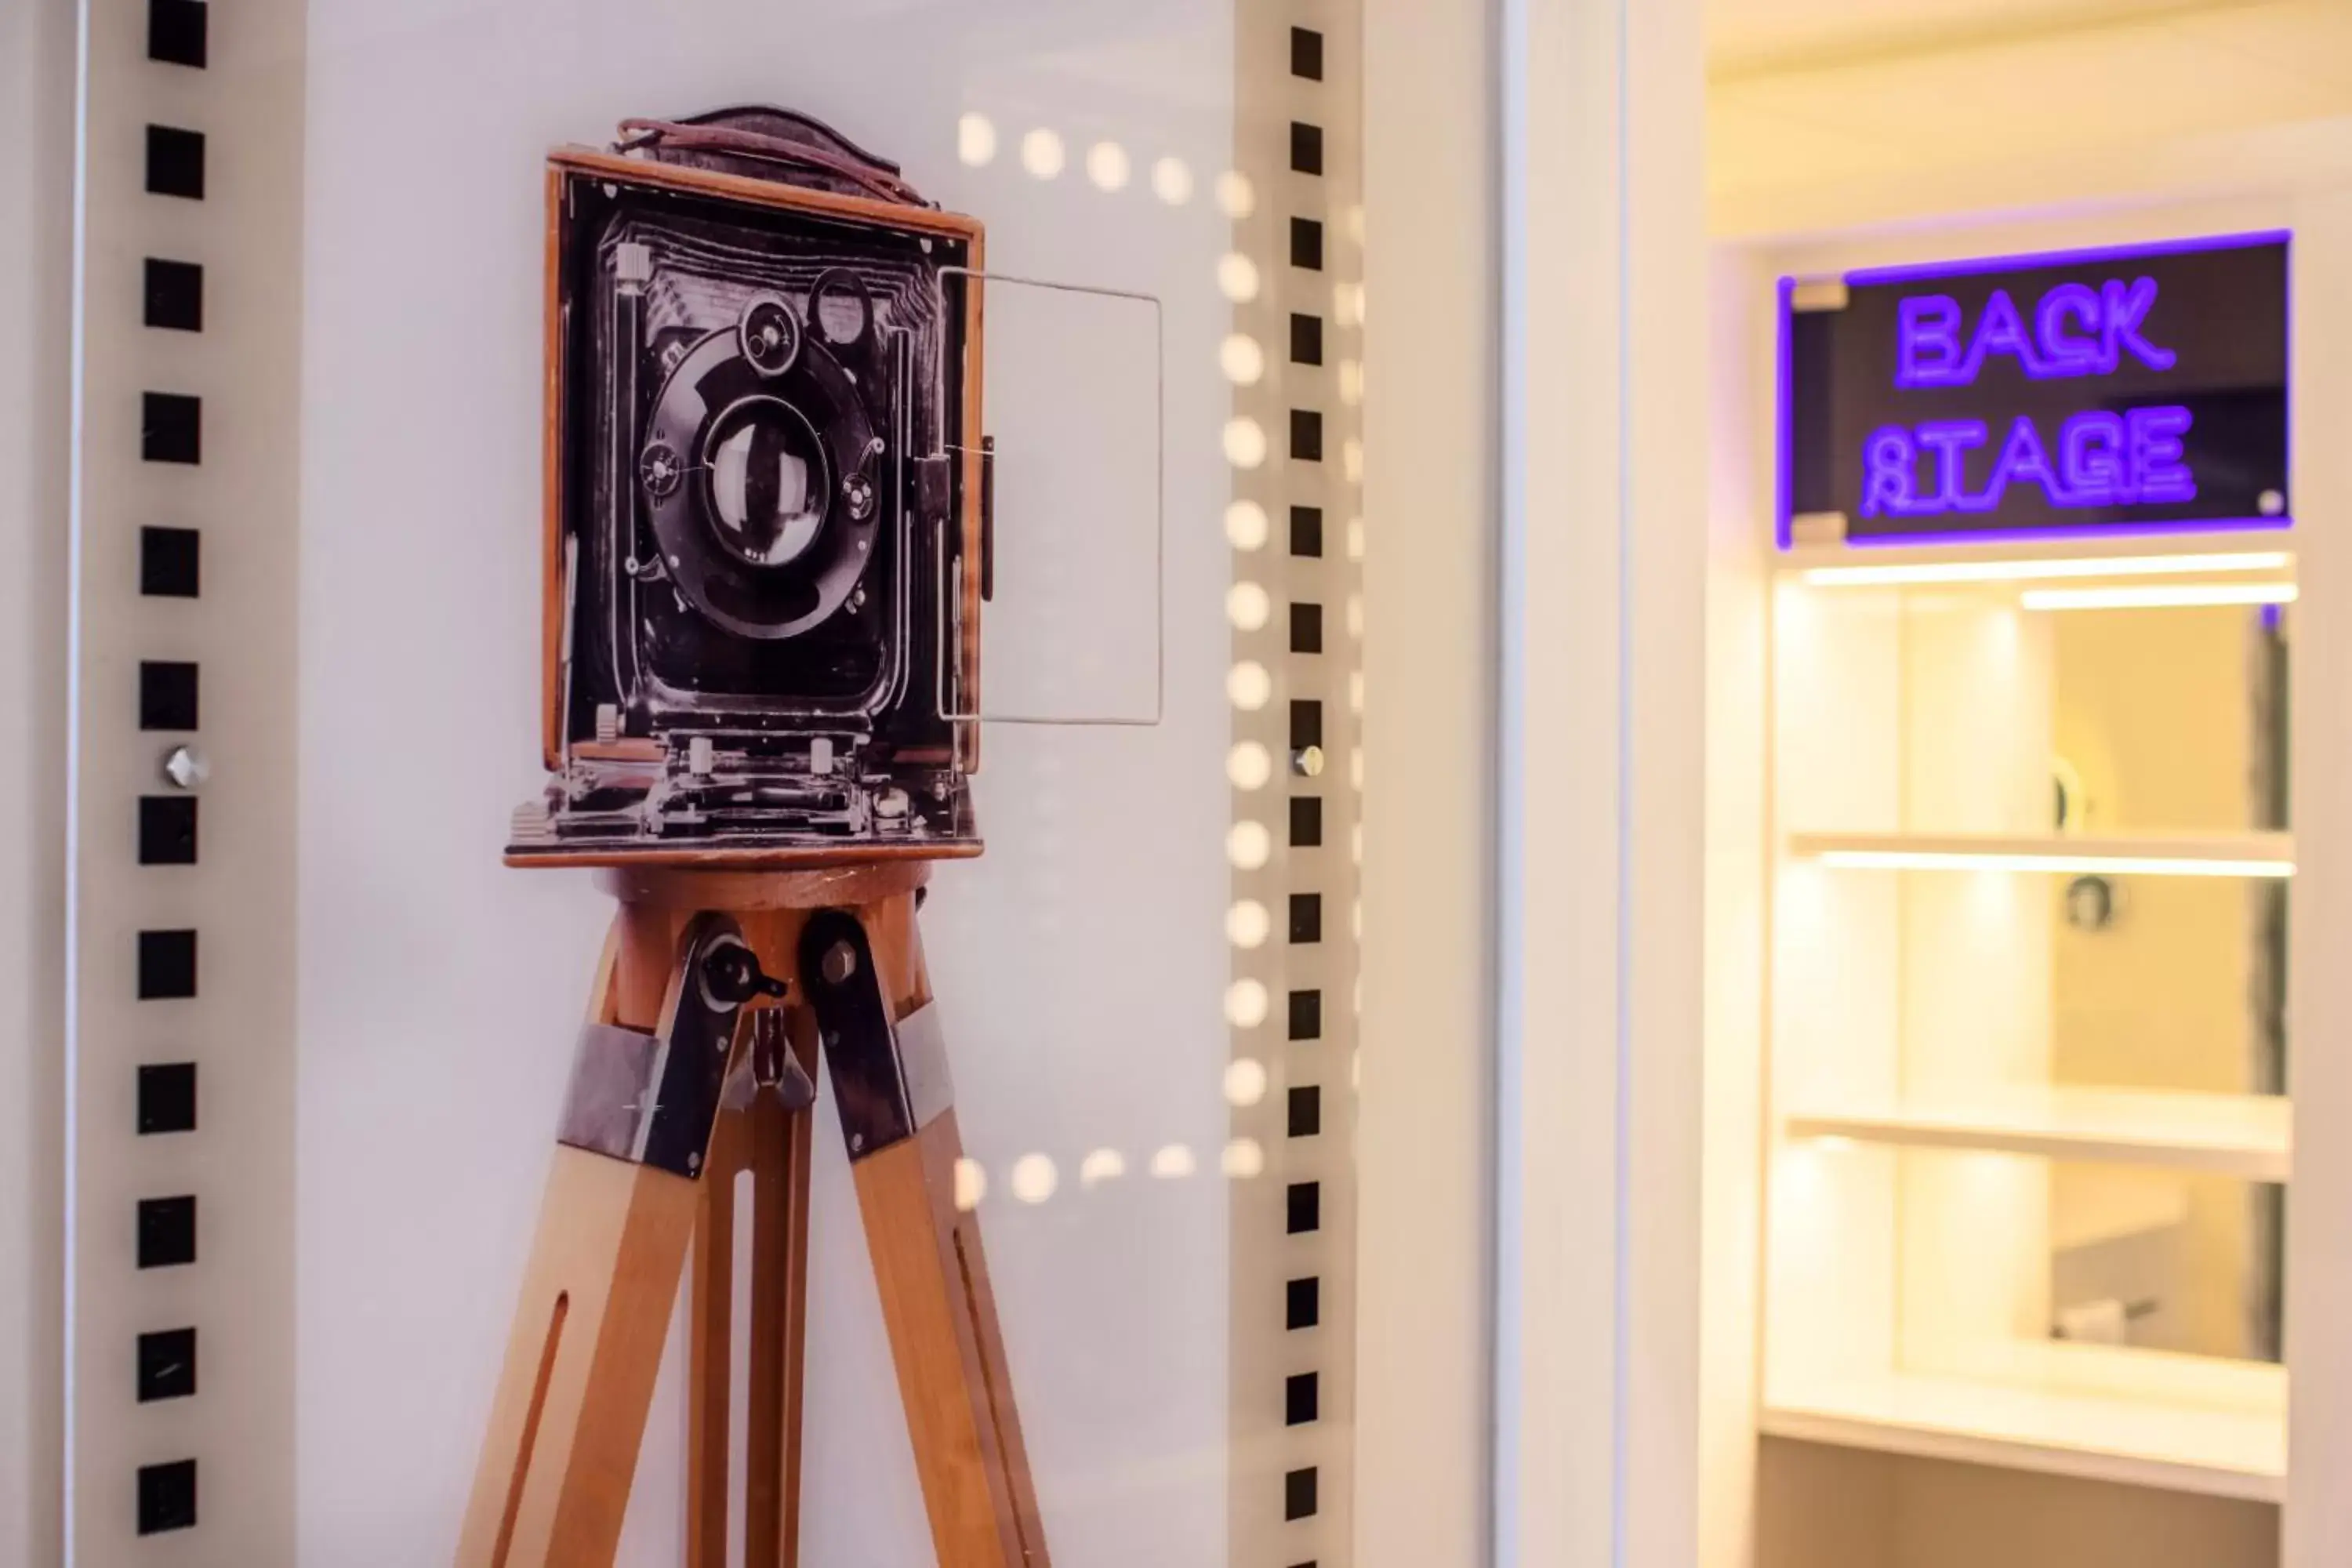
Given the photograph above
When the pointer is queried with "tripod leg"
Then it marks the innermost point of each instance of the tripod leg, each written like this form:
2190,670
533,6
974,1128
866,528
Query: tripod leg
711,1309
620,1209
866,986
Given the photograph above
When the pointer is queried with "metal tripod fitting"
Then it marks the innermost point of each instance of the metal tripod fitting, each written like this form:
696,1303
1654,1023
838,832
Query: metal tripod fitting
889,1080
652,1098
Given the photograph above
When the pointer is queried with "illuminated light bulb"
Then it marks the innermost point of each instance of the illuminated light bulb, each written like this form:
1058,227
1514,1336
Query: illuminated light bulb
1356,770
1248,606
1244,443
1351,222
1248,845
1243,1158
1355,691
1245,525
1354,539
1041,154
1245,1004
1351,383
1247,924
1249,765
1101,1165
1035,1178
1242,359
1248,687
1236,194
1347,304
1352,460
975,140
1106,166
1356,844
1237,278
1172,1162
1172,180
1245,1082
971,1184
1355,614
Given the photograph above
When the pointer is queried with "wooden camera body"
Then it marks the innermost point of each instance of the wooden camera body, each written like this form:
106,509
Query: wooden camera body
767,504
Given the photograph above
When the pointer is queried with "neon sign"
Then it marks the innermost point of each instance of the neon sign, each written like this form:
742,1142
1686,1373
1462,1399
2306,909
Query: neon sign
2097,391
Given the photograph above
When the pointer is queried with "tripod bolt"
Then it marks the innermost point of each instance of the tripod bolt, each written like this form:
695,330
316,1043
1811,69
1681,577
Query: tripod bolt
840,962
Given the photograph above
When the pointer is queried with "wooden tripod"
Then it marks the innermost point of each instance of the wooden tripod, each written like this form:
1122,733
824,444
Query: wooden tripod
717,996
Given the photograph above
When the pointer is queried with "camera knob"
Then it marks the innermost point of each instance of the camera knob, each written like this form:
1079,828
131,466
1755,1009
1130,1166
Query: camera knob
186,767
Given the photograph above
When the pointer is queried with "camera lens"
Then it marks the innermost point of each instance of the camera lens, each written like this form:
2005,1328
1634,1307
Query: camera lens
768,481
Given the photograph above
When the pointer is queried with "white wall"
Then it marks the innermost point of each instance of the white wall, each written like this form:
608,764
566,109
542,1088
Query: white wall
37,76
1080,963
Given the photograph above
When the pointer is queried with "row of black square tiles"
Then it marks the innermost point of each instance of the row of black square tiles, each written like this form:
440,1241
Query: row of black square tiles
1302,1208
1305,338
1306,436
170,431
1306,245
1306,821
1305,1111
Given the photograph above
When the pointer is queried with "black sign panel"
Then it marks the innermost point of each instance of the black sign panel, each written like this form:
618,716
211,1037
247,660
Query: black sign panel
2108,391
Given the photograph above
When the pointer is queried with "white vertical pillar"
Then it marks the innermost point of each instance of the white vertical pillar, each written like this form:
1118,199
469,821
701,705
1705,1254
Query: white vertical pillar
2318,1521
1424,1118
190,158
36,69
1603,709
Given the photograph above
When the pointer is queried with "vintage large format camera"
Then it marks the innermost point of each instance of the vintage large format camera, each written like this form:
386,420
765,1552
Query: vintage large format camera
767,503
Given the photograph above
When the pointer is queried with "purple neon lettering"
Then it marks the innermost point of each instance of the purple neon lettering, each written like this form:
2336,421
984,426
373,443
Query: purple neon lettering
2123,308
2023,457
2065,353
2001,330
1890,461
2152,441
1951,440
1928,341
2091,456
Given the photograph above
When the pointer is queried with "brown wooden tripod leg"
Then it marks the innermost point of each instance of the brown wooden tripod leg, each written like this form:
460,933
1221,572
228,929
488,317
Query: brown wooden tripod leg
552,1485
772,1143
864,976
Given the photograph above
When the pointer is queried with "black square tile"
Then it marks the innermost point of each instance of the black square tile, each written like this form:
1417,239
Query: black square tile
167,1497
1307,1015
1306,148
167,695
1307,629
1299,1495
174,295
1306,723
167,1232
171,427
175,161
1301,1399
175,32
1306,244
1306,821
1305,1111
167,830
1306,530
1306,339
1302,1303
167,1097
1306,917
1307,53
167,1365
1306,436
169,562
167,965
1303,1207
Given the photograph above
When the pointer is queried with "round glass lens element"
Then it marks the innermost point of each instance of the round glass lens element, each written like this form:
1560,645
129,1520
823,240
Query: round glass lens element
767,481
